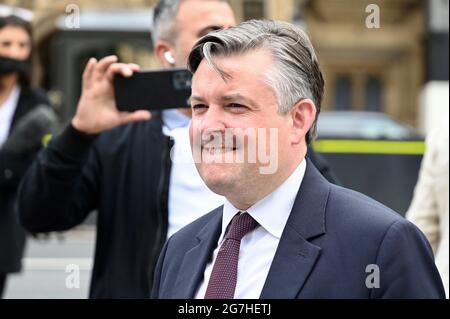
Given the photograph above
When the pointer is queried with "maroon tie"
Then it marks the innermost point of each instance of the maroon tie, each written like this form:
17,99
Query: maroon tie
222,282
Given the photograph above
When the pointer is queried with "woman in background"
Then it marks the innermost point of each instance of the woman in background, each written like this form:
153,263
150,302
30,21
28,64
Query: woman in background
17,99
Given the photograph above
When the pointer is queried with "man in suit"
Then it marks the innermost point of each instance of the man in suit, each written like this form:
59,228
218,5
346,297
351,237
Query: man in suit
284,232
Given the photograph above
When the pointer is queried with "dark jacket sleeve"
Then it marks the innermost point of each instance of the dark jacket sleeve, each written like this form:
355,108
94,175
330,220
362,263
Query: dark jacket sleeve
61,186
12,168
406,267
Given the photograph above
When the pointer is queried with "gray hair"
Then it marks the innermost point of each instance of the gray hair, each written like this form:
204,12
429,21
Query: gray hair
164,16
295,75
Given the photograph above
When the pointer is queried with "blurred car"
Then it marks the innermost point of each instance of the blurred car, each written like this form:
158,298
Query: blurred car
373,154
363,125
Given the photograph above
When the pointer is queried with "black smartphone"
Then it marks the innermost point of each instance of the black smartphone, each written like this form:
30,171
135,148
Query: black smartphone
153,90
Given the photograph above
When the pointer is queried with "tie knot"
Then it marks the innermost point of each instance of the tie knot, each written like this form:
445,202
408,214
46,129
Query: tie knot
240,226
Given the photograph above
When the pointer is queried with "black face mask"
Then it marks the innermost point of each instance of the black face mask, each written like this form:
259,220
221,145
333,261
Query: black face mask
9,65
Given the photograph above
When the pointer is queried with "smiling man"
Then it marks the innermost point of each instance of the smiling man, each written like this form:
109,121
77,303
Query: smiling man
289,234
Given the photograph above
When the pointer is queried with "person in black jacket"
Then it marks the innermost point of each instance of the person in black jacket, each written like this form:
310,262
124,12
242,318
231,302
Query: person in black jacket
120,163
18,105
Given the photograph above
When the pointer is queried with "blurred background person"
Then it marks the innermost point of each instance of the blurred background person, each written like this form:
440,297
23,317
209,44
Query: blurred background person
429,209
125,172
23,122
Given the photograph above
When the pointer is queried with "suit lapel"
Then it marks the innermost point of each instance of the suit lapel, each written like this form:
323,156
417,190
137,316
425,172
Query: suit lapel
196,259
296,256
293,261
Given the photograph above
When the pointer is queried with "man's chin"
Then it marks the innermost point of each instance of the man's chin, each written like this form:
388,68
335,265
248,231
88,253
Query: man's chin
218,182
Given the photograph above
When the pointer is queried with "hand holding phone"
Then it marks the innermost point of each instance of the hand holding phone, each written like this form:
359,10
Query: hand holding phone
97,110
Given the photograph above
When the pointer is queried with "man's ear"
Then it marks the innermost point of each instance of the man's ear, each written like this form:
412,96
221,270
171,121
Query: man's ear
161,49
303,117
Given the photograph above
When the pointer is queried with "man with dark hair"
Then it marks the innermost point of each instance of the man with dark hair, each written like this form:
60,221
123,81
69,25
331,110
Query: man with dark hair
125,173
283,232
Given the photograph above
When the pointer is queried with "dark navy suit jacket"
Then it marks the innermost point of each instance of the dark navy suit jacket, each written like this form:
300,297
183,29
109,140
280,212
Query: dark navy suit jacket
332,237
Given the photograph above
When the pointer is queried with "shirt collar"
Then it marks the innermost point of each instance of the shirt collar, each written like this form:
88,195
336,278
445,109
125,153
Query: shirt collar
13,97
271,212
173,119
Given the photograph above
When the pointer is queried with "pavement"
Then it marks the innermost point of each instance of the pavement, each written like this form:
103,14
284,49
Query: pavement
58,267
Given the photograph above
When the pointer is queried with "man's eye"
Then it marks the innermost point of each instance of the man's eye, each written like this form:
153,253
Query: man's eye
199,106
236,106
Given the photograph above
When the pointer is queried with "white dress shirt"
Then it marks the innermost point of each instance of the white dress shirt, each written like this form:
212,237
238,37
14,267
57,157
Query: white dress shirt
259,246
7,111
189,197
